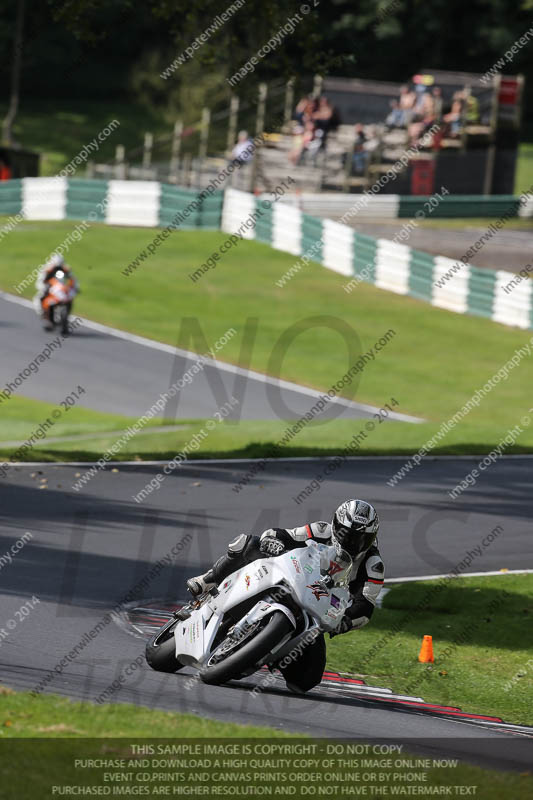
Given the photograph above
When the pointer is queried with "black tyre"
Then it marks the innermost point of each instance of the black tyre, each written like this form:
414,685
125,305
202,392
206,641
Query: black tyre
250,653
306,671
63,320
161,649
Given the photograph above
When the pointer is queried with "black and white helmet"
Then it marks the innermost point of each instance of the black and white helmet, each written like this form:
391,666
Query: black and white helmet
355,526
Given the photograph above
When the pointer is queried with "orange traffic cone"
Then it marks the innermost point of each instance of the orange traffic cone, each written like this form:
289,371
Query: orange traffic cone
426,651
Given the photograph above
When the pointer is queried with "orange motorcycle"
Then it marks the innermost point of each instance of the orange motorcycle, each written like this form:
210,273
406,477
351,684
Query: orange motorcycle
57,303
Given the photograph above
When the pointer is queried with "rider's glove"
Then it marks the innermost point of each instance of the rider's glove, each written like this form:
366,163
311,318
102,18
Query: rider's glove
271,547
344,626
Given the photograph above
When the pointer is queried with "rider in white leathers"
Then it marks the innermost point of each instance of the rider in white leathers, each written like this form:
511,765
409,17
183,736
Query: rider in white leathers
353,529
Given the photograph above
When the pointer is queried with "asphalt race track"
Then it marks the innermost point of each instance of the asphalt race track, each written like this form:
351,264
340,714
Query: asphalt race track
91,547
127,374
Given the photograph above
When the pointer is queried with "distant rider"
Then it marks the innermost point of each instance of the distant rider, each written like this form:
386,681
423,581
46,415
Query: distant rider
354,529
54,266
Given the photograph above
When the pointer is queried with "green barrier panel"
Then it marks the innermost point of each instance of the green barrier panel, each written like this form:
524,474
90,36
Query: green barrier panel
183,208
312,238
421,268
210,212
86,199
364,257
459,206
263,226
11,197
178,207
481,285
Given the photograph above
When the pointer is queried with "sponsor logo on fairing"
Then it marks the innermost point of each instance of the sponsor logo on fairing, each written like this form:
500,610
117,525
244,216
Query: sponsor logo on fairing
318,589
261,573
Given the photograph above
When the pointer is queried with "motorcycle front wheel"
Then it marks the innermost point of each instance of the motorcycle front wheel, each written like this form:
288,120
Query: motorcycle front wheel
63,319
250,653
161,649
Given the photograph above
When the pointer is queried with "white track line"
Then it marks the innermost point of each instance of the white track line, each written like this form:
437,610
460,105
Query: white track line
221,365
294,459
462,575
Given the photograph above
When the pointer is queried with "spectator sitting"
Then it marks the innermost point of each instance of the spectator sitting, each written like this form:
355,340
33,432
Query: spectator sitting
360,155
406,102
305,109
454,118
472,109
423,116
243,150
307,144
322,117
396,116
437,103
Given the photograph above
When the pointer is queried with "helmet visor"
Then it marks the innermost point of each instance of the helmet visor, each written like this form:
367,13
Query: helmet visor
354,541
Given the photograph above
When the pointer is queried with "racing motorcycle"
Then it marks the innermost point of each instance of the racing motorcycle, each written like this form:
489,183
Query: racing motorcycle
257,616
57,303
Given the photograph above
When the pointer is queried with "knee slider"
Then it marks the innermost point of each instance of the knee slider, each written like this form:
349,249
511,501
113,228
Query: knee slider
236,547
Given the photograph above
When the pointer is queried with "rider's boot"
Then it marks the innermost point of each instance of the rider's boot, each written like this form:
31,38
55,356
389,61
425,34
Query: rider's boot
224,566
201,583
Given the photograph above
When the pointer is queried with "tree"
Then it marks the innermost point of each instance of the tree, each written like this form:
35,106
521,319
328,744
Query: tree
7,126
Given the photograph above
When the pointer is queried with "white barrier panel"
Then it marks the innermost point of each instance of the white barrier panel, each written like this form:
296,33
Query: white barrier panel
525,209
237,209
287,228
392,266
453,294
44,198
133,203
512,299
338,243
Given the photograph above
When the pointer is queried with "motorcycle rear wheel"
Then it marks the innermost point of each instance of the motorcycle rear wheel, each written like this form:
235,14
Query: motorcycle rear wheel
250,653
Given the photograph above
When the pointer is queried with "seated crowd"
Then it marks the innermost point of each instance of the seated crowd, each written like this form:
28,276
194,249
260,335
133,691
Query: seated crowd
315,117
419,107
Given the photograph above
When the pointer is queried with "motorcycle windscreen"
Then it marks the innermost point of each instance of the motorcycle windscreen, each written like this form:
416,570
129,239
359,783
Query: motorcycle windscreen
337,563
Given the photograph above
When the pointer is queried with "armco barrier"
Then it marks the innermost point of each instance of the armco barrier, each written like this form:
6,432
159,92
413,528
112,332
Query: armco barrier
444,283
85,197
10,197
175,203
398,268
462,206
390,206
139,203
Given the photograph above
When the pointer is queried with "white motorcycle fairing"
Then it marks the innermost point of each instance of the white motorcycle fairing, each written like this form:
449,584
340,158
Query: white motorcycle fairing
300,575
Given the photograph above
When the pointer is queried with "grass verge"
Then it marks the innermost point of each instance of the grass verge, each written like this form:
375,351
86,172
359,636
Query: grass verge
246,439
27,770
488,619
524,168
51,716
432,364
